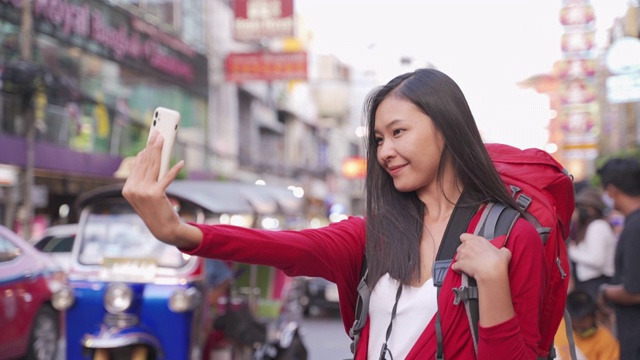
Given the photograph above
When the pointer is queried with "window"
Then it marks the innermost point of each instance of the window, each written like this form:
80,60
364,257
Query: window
8,250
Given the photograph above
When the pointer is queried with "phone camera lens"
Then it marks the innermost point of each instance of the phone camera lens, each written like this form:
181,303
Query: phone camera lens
156,114
154,122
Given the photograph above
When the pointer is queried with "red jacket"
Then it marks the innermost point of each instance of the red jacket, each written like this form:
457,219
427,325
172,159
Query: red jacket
336,253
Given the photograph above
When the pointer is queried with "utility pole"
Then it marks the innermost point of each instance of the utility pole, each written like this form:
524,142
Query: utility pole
26,41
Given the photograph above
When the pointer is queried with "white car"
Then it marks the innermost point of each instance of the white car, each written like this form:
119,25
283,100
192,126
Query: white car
57,241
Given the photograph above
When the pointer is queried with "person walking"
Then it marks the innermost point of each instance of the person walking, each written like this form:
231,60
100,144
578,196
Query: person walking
592,248
620,179
424,151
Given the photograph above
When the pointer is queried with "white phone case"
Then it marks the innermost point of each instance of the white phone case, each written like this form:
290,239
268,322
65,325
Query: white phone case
165,121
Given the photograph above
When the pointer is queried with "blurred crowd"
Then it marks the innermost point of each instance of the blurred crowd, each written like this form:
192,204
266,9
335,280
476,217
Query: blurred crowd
603,302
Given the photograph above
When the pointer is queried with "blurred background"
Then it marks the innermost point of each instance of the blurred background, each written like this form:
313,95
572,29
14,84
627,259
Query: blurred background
271,91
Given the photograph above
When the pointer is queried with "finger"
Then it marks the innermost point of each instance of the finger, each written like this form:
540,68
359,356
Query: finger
506,253
171,175
153,159
153,137
137,169
467,237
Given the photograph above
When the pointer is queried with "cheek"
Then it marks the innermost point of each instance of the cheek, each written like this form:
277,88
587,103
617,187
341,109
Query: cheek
379,157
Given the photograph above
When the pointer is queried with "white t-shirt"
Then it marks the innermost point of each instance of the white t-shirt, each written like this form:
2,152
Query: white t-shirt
594,255
416,308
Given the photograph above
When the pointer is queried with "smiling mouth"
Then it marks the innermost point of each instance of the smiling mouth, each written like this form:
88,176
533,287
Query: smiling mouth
394,169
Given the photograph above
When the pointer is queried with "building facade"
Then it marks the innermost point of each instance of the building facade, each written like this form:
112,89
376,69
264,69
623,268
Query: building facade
80,80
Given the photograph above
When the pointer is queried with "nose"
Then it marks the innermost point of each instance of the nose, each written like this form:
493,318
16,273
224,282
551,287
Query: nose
385,151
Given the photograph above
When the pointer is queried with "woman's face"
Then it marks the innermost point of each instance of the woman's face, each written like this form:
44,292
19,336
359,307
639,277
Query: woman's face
409,146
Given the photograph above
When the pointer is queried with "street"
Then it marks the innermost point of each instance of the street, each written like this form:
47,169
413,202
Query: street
325,338
323,335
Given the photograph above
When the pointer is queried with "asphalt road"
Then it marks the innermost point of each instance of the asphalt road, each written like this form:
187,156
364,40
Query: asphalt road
325,338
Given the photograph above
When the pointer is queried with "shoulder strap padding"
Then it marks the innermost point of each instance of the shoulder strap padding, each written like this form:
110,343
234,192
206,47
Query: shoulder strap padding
499,221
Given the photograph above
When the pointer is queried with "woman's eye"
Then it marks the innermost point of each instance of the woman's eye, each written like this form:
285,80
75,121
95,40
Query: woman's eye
378,140
397,131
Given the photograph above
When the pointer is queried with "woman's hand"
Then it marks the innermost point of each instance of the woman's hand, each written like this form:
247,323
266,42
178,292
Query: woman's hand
480,259
489,265
146,193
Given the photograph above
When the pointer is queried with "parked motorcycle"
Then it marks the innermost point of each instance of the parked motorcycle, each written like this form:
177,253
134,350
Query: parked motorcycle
278,339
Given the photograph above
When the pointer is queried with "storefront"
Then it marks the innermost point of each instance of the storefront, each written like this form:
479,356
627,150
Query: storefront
95,75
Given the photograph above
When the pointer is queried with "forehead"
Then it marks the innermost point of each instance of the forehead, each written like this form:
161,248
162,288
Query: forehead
394,109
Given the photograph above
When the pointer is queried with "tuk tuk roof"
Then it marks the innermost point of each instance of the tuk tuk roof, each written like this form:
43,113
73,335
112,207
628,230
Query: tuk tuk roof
217,196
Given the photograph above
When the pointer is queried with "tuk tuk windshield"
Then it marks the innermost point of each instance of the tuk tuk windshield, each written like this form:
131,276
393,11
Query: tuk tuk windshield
113,231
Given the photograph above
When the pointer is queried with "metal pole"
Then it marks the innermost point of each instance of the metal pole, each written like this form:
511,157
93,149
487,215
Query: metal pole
26,41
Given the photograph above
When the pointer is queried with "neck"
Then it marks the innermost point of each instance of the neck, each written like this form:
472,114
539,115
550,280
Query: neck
630,206
438,207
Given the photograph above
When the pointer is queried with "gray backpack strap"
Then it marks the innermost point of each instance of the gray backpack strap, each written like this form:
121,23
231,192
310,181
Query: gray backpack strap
362,307
569,331
497,219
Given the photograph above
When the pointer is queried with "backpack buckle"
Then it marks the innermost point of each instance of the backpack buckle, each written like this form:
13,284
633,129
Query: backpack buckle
464,293
439,271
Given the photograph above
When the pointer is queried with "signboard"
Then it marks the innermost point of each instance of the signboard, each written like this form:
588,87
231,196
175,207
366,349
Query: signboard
623,56
113,33
241,67
578,91
258,19
623,88
577,15
578,42
577,68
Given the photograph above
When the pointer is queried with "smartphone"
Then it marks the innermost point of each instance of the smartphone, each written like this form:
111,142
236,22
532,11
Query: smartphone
165,121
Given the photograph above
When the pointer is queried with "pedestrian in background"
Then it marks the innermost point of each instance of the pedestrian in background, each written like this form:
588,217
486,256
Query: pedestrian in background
424,151
593,245
620,179
593,341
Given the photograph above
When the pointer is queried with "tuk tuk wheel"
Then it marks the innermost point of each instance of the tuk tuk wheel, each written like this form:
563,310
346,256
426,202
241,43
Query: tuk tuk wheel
43,341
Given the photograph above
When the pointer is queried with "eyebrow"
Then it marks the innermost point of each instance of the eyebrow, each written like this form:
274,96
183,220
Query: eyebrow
389,125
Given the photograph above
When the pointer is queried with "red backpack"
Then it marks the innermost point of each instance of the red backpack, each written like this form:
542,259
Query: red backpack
544,191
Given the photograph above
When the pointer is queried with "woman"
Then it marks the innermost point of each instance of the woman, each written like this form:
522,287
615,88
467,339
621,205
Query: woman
423,151
592,249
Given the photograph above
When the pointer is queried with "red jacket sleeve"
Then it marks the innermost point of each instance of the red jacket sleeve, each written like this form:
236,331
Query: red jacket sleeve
334,252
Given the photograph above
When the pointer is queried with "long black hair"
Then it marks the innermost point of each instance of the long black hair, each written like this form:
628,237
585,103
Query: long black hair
395,219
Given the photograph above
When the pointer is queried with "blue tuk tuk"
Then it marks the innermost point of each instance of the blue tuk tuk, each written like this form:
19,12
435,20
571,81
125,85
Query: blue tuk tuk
134,297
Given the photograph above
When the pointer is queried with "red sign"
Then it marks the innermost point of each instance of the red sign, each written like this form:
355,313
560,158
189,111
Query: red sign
258,19
266,66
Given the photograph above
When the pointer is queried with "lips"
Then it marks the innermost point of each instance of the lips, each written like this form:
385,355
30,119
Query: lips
395,169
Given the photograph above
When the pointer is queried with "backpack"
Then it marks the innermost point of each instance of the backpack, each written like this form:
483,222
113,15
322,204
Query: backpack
544,191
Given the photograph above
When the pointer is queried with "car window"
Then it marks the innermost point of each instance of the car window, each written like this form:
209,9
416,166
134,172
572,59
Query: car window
55,244
8,250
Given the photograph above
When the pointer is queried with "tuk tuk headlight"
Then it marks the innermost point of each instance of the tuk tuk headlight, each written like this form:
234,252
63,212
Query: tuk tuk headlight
63,299
183,300
118,298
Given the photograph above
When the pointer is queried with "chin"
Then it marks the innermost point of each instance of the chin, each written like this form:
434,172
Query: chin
404,187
